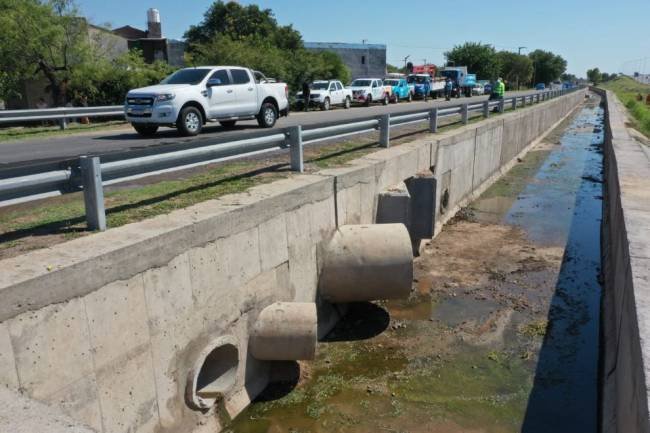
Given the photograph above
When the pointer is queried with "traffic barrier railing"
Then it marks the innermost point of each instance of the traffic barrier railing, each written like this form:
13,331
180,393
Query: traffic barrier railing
89,174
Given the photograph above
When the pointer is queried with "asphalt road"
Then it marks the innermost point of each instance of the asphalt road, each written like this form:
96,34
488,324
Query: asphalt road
18,152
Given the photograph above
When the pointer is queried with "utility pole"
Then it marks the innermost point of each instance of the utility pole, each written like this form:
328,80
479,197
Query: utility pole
519,52
405,60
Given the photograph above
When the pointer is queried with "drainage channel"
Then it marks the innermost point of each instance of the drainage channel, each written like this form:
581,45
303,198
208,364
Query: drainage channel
500,333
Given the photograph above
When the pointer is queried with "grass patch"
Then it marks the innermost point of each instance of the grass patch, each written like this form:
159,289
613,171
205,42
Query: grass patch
534,329
23,132
66,217
627,90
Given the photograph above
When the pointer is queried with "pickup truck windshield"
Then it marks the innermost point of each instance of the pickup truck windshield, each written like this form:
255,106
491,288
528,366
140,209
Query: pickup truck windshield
361,83
391,82
186,76
320,86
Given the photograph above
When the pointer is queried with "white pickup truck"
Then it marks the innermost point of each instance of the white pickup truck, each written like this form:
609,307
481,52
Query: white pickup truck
191,97
368,90
324,94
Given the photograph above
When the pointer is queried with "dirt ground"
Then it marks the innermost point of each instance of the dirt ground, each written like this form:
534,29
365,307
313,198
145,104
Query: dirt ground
491,339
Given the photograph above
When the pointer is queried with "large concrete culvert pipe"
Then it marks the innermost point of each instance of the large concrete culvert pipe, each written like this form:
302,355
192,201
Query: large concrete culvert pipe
285,331
366,263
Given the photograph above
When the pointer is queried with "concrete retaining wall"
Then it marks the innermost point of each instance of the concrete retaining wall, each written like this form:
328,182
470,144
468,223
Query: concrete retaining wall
625,330
108,327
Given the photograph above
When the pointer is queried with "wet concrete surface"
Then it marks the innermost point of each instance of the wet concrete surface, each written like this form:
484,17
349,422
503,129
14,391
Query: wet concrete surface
500,333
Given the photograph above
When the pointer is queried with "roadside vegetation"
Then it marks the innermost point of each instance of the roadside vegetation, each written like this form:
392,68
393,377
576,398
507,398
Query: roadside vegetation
628,91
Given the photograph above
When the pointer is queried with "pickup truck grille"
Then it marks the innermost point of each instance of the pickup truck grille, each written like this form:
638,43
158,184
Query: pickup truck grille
139,101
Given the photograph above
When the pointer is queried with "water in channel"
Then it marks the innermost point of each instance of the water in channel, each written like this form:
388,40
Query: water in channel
501,332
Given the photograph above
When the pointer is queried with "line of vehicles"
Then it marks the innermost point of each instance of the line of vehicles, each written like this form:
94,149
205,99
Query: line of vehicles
191,97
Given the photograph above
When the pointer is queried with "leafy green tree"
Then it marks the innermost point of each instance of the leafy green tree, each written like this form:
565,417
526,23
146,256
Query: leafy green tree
547,66
392,69
594,75
568,77
248,36
241,23
515,68
480,59
40,37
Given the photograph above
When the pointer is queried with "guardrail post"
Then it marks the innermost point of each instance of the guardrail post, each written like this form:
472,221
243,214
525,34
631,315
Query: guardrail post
91,176
433,120
486,108
464,113
63,123
514,103
502,105
384,130
295,148
537,95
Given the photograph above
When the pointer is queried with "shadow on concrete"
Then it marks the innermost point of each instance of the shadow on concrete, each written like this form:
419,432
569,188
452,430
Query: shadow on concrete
362,321
565,387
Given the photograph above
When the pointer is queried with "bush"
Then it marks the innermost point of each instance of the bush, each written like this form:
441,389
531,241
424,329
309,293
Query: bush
106,82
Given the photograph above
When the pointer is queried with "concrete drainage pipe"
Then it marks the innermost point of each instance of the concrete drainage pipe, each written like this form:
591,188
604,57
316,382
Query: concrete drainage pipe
214,373
367,262
285,331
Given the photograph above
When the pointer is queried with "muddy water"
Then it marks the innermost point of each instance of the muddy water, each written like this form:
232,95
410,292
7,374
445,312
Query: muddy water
501,332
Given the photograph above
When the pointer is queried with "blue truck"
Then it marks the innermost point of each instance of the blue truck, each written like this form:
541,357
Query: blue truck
463,82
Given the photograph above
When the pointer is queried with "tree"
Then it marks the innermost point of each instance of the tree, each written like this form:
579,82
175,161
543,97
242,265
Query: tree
392,69
515,68
241,23
105,82
594,75
479,58
568,77
40,37
547,66
247,36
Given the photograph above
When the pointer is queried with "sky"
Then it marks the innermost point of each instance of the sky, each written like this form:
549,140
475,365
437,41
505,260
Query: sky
613,36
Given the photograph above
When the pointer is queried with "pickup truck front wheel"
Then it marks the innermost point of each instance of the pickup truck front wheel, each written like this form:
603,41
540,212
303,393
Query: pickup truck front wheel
347,103
145,130
190,121
267,116
326,105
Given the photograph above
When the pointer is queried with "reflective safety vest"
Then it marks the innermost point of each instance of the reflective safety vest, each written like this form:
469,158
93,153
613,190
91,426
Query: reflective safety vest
500,88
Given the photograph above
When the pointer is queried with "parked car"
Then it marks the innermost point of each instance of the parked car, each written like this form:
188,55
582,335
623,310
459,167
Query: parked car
190,97
478,89
421,85
540,86
400,89
324,94
487,86
368,90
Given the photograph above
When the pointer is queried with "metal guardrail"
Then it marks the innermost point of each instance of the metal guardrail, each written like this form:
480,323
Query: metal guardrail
89,174
62,115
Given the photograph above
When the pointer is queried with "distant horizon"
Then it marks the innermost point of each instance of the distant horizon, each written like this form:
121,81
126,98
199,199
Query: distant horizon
573,31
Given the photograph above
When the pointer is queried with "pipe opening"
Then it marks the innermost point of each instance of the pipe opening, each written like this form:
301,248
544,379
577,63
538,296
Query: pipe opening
214,375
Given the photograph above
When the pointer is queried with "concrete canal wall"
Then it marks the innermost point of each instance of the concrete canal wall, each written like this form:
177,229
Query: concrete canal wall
625,332
166,324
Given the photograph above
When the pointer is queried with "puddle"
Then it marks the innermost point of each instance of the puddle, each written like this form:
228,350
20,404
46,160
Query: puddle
500,334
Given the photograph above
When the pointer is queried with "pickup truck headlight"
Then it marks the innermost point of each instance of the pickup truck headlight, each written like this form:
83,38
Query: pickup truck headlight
165,97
